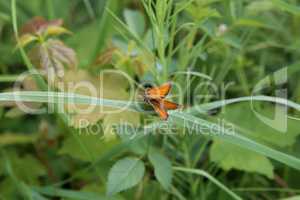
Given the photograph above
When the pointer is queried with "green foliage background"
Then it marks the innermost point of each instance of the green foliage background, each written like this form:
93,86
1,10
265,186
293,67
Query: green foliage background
242,41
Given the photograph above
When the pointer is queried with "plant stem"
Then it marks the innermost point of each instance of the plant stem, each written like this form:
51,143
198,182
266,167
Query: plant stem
8,78
51,13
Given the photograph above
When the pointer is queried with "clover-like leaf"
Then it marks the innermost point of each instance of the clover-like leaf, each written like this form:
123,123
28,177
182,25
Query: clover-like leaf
53,56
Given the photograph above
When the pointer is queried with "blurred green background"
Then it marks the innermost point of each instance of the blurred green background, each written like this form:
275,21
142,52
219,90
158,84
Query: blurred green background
243,42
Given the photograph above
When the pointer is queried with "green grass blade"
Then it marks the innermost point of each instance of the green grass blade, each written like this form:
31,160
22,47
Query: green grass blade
65,98
197,124
211,178
180,118
50,8
218,104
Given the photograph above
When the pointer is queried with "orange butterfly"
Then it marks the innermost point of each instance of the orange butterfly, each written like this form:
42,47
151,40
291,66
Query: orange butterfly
155,96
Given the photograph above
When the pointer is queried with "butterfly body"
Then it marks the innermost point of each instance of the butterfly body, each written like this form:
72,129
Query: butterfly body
155,96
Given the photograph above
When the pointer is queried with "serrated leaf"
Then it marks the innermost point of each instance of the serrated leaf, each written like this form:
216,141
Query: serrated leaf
162,168
125,174
229,156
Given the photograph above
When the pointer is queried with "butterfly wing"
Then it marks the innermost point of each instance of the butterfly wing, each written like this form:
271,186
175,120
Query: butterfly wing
168,105
159,109
158,92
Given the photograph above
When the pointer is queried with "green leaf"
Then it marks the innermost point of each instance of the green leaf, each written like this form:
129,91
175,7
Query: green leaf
125,174
228,157
135,21
162,168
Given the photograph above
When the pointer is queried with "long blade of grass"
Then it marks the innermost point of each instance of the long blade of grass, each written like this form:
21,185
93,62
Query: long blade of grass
66,98
197,124
211,178
50,8
182,119
221,103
